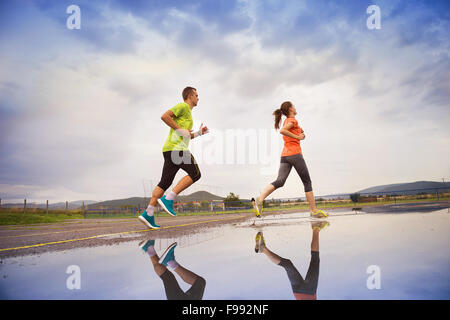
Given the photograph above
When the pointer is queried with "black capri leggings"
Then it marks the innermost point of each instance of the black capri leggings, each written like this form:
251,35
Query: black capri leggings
174,161
286,164
298,284
174,292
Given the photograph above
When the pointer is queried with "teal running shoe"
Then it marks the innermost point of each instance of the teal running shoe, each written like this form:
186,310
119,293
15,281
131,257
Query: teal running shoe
167,205
149,221
168,255
145,244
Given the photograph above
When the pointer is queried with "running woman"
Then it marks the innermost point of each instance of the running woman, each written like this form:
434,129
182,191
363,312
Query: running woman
176,156
291,156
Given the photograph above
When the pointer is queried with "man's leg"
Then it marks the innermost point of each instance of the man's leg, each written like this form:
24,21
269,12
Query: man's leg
169,171
159,268
183,184
195,292
157,193
168,174
190,166
197,283
171,286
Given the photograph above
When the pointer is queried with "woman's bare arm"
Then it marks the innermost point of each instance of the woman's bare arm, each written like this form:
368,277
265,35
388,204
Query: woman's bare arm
285,131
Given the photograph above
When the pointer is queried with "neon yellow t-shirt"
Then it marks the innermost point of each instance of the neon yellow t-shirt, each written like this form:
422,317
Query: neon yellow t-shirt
183,117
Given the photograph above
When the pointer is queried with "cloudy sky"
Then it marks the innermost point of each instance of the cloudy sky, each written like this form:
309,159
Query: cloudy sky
80,108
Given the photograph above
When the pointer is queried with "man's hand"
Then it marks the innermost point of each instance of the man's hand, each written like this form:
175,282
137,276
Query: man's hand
203,130
301,136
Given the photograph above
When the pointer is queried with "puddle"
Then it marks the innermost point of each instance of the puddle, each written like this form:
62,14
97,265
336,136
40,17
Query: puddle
405,256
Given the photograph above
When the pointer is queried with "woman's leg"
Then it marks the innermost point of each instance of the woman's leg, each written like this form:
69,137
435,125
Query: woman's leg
266,192
272,256
300,166
311,201
283,173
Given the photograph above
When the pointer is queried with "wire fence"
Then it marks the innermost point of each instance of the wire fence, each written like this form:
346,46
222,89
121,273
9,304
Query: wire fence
232,204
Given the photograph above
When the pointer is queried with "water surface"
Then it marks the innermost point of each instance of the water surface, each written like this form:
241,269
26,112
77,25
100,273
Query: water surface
409,249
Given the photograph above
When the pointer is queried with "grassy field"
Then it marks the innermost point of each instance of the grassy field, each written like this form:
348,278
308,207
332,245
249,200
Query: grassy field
17,217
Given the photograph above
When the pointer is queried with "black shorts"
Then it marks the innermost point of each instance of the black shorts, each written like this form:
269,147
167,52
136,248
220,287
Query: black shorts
174,161
174,292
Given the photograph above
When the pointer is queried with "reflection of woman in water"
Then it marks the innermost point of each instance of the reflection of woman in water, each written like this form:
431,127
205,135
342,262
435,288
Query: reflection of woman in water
166,262
303,289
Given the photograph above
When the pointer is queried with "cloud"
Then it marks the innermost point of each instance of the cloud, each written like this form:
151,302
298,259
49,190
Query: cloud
80,110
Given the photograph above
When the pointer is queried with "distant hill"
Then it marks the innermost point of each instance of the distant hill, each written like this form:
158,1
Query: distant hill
199,196
136,201
408,188
411,188
58,205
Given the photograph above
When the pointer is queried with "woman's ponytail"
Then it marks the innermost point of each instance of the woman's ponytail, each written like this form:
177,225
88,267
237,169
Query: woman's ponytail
277,113
284,109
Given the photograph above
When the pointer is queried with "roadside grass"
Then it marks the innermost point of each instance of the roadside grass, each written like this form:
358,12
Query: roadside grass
16,216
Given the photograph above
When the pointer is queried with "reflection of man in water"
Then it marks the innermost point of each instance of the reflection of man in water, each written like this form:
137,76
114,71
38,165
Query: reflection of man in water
166,262
303,289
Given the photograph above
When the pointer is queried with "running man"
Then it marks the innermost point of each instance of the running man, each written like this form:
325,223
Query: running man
164,267
176,156
291,156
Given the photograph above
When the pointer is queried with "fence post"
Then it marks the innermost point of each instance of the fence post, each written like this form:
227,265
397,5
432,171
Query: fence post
47,207
24,205
67,205
84,211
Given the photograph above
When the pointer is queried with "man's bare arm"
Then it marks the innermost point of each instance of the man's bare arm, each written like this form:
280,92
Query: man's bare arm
167,117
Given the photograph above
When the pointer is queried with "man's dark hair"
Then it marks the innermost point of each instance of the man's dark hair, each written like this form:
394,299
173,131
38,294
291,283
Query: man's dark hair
187,91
